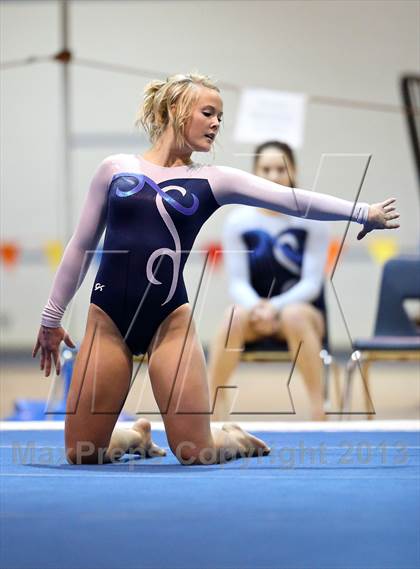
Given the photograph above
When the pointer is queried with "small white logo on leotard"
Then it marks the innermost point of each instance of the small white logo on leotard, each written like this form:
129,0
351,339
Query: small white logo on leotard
98,286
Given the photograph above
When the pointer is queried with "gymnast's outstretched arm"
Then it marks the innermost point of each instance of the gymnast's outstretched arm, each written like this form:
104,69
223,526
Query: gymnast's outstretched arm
76,261
234,186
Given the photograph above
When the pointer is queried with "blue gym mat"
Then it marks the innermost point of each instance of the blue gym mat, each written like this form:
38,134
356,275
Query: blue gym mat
327,500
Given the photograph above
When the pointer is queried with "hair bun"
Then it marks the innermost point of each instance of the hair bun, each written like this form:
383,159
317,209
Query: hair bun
159,97
154,86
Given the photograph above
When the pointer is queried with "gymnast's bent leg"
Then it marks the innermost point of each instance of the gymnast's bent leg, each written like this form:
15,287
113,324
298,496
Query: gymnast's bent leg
177,372
225,353
302,322
99,387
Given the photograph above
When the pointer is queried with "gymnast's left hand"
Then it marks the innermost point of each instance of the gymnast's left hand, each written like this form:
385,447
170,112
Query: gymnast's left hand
381,216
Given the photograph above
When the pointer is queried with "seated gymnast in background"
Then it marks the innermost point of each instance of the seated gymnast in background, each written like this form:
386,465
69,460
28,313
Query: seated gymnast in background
270,254
152,207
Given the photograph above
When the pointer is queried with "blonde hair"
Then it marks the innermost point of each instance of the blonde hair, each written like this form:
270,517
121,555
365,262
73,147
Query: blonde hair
156,110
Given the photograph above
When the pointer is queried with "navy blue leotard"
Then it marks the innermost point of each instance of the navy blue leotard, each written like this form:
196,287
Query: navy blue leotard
139,284
275,256
152,215
269,277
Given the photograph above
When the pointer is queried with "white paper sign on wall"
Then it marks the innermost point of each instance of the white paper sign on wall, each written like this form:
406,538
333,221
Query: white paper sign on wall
265,114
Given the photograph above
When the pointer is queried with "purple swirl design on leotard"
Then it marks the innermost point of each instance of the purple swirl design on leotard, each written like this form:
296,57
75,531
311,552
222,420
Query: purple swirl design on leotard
161,196
137,187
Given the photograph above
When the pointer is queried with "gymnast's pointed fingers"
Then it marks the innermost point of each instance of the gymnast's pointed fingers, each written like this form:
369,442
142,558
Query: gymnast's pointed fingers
47,363
388,201
57,362
68,341
389,208
42,360
36,348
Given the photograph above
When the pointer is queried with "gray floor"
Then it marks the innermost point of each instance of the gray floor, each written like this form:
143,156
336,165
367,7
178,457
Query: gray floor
261,392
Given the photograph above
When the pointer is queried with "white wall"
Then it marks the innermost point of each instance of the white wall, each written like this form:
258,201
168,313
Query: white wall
344,49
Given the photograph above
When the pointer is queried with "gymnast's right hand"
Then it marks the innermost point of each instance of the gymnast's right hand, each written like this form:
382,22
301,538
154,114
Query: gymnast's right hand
49,340
381,216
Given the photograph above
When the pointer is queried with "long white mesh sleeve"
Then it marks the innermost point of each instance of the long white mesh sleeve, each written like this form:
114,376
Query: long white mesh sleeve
233,186
76,261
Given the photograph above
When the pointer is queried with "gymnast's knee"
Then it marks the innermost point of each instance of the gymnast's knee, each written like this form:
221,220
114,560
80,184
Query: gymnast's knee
235,319
86,452
296,316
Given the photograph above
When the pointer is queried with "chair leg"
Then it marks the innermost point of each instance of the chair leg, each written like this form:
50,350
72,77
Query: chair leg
346,399
326,360
367,398
336,377
331,393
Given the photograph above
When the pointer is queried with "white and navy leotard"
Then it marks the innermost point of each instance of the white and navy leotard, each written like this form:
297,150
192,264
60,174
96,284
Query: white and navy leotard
152,215
274,256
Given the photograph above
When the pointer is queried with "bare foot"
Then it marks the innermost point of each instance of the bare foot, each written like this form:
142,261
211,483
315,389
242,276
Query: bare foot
250,445
145,447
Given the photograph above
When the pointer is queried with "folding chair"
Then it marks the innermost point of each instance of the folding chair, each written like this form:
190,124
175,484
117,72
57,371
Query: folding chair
396,336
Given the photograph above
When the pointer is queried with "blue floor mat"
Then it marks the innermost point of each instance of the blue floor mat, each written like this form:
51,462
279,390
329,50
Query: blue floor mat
327,500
